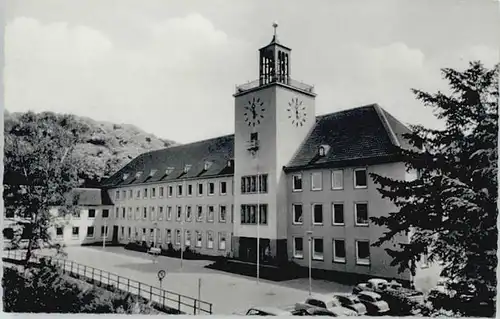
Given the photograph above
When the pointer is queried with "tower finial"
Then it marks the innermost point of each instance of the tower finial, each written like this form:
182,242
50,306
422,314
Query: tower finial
275,26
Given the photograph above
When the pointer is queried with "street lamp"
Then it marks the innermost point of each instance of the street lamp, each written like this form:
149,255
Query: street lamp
309,234
104,235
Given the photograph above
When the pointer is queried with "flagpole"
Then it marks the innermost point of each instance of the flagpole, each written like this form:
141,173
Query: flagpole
258,222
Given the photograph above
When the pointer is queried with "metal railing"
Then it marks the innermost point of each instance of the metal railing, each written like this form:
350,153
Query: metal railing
284,80
164,298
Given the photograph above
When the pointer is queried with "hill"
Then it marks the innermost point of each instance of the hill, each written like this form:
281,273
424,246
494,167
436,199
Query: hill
108,147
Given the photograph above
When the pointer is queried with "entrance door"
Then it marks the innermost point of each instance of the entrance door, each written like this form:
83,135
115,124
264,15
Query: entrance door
115,235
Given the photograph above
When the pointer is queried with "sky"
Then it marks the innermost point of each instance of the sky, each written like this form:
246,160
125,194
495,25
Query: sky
170,66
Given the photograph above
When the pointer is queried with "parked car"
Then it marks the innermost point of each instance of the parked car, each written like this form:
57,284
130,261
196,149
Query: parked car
381,286
373,303
352,302
327,302
314,311
267,311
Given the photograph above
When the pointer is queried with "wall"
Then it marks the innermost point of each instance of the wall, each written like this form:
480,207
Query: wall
379,260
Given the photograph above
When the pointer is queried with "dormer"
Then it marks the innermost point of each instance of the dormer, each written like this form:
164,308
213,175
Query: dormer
125,176
207,165
169,171
230,163
138,174
152,172
323,150
187,167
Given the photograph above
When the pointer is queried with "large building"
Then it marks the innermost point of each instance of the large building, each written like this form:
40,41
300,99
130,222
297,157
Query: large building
286,177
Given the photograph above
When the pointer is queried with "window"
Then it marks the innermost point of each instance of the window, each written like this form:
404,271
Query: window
317,214
232,213
198,238
105,213
188,213
91,213
169,212
177,236
249,214
297,183
250,184
161,191
129,233
211,188
361,212
179,190
124,194
187,240
129,213
199,213
298,247
145,193
210,213
59,232
200,189
117,213
90,231
138,194
76,232
123,212
297,213
317,244
76,213
117,195
222,241
122,233
360,180
104,231
210,240
152,213
223,188
144,213
153,192
170,191
316,181
338,213
179,213
339,250
190,190
130,194
137,213
160,212
338,179
362,252
222,214
168,237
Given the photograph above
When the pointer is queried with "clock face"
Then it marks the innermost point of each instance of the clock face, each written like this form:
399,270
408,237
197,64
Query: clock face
297,112
254,111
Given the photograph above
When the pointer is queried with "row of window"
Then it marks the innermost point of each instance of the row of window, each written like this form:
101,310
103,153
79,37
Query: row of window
317,214
165,213
338,250
75,231
91,213
191,238
168,191
254,184
360,180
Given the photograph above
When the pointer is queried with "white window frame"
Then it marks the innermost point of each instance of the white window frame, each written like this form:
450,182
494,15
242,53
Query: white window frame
335,258
178,231
221,236
168,213
153,192
180,194
294,248
199,240
293,214
199,219
95,213
160,213
363,262
356,214
355,180
145,193
210,243
220,214
187,238
320,181
138,194
146,210
198,189
208,189
161,191
341,179
213,213
314,215
178,217
190,211
313,248
73,236
62,232
220,188
334,223
129,213
117,195
168,236
170,191
301,183
187,190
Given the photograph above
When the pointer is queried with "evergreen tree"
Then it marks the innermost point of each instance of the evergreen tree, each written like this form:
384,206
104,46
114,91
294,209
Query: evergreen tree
40,170
450,210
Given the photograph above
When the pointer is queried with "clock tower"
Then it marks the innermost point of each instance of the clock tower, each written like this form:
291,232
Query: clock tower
273,115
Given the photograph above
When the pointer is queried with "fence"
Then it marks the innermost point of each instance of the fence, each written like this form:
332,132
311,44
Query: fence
164,298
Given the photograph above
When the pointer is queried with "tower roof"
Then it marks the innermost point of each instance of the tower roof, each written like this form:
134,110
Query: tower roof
275,41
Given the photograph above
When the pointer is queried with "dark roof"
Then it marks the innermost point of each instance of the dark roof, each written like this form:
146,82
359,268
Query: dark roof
90,197
364,135
153,165
359,135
